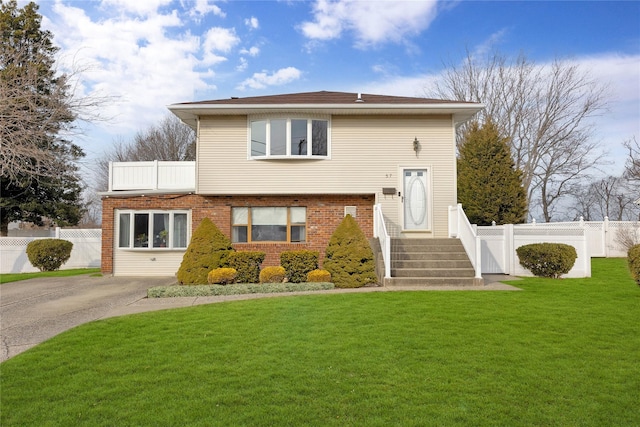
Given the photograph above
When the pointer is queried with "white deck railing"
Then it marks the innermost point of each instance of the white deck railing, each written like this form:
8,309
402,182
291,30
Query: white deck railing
461,228
380,231
155,175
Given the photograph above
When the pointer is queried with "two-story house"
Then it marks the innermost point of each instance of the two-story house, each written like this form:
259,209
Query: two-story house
280,172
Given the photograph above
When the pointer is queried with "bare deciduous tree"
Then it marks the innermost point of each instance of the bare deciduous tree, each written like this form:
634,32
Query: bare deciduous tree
543,109
611,197
168,140
632,167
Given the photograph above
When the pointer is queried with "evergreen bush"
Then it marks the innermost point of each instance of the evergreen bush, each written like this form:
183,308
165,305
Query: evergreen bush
547,259
222,276
349,257
209,248
319,276
247,264
49,254
273,275
633,258
298,263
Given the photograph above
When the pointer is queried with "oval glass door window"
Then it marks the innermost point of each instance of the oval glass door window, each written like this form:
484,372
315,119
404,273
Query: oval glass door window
415,199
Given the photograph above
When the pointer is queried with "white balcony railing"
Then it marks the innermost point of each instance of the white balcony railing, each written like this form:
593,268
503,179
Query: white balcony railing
156,175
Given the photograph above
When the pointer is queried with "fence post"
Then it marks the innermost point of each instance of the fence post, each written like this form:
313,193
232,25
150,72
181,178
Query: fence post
57,233
509,250
605,236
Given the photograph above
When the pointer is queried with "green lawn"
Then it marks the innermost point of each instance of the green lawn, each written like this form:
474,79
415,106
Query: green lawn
559,353
14,277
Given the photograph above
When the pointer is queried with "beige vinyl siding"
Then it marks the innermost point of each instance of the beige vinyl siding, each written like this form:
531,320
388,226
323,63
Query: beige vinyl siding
130,262
366,154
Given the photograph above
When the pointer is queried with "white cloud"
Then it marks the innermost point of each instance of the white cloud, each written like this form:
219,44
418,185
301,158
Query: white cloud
252,51
371,22
202,8
218,39
139,7
252,23
264,79
244,64
139,61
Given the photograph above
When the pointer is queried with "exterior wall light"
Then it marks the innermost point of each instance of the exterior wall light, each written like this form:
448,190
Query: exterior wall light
416,145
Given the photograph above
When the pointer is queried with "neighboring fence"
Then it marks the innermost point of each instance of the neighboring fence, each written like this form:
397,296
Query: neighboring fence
590,238
85,253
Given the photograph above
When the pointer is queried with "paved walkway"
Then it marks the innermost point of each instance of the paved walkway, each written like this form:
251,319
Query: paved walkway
32,311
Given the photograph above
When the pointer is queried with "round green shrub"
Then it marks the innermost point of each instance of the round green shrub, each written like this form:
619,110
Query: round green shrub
247,264
319,276
273,274
349,257
49,254
209,248
547,259
222,276
298,263
633,258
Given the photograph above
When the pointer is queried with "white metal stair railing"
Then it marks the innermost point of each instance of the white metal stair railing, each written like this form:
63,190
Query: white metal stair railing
461,228
380,231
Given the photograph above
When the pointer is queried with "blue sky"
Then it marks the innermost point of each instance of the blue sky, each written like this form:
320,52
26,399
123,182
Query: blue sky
151,53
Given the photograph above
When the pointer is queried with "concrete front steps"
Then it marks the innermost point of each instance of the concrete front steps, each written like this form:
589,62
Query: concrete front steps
430,262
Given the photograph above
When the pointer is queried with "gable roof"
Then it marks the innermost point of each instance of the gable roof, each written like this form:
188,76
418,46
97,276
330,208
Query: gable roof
325,102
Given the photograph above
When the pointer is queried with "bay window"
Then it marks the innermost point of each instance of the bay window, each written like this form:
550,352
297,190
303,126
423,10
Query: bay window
152,229
268,224
289,138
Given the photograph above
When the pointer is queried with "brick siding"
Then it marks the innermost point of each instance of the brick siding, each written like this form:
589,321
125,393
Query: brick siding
324,213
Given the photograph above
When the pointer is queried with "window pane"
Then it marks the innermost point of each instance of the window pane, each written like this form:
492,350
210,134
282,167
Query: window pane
124,231
278,137
269,233
141,230
180,230
239,216
259,138
298,233
269,216
298,215
298,137
239,234
319,137
160,230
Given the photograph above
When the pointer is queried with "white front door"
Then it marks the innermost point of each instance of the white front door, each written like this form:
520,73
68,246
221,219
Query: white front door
415,199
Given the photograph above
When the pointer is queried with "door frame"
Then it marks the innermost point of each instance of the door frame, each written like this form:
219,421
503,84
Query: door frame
429,198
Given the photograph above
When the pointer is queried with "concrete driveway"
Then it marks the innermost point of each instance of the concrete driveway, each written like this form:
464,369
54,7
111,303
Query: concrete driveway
32,311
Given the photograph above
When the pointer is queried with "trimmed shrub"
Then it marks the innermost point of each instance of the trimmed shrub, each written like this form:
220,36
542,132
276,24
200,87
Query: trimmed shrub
49,254
273,274
319,276
349,257
547,259
633,258
247,264
298,263
209,248
222,276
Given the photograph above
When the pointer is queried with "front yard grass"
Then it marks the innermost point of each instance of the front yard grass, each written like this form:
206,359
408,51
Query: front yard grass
560,353
14,277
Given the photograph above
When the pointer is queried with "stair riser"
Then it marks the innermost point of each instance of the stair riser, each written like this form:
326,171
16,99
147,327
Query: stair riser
434,256
419,282
419,264
432,273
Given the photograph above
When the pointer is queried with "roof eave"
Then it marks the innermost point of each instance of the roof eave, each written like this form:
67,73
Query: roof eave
189,113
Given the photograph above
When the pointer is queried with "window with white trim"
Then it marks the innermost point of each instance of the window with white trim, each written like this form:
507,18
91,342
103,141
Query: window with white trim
268,224
294,138
153,229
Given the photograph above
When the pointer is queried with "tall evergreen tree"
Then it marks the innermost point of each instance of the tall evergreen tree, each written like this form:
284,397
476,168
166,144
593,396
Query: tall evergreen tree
39,175
489,186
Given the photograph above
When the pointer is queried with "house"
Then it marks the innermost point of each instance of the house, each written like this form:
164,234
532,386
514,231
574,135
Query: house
277,173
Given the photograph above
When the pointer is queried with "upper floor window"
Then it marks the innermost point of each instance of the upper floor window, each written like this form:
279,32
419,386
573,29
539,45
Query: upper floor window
153,229
289,138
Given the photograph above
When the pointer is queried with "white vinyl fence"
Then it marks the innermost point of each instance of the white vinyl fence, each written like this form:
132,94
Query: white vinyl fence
86,250
589,238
